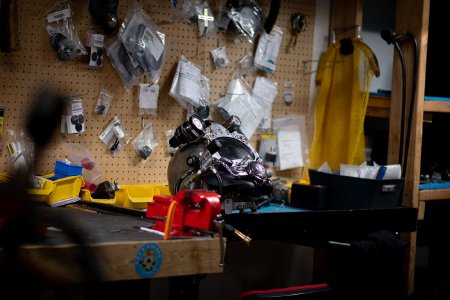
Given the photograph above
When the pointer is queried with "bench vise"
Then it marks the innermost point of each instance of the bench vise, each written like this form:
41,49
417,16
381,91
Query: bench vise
194,210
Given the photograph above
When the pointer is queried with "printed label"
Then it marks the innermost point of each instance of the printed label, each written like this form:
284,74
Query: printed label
59,15
148,260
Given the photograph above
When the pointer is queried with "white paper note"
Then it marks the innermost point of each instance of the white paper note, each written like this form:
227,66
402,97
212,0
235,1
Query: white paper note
289,149
247,110
189,78
264,92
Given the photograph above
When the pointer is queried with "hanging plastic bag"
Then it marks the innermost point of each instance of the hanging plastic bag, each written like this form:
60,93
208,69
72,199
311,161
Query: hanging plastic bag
182,10
265,92
246,65
202,110
95,44
144,41
79,154
63,36
186,84
126,65
73,118
239,102
148,99
205,20
114,136
246,19
104,101
220,58
20,155
145,142
268,50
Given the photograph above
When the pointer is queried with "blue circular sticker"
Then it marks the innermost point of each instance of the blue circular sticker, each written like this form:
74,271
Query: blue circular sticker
148,260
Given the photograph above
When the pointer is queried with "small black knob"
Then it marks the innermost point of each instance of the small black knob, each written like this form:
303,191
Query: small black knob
214,146
232,123
193,161
145,152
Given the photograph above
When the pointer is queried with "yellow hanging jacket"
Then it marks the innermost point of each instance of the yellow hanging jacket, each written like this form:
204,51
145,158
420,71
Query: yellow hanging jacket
344,84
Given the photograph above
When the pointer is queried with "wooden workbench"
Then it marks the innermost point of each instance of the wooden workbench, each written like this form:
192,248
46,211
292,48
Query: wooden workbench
117,244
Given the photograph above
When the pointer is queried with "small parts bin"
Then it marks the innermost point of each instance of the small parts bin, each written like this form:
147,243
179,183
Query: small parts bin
134,196
138,195
59,192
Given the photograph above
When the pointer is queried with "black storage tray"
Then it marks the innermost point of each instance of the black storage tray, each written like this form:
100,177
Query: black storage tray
347,192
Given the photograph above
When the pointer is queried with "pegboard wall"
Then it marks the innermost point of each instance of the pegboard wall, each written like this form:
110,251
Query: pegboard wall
35,65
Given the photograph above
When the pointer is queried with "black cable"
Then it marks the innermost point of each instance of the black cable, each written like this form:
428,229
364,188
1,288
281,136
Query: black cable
413,98
402,120
219,182
182,178
273,15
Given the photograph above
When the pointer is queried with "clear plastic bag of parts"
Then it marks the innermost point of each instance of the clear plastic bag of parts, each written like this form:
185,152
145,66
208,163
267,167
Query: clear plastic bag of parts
20,152
126,65
145,142
80,155
202,110
268,50
148,99
144,41
58,21
186,83
205,19
220,57
264,92
95,45
246,19
104,101
194,11
182,10
73,117
114,136
246,64
238,101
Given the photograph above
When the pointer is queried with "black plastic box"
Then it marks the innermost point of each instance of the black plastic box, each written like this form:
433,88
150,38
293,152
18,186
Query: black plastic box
308,196
345,192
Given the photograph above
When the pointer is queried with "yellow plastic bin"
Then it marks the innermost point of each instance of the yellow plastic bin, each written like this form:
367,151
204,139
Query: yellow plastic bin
138,195
42,195
4,177
86,196
59,192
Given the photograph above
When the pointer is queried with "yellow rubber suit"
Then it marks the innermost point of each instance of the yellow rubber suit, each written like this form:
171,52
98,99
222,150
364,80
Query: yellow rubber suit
344,86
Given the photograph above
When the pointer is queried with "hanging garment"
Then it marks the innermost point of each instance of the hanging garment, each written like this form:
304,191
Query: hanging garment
344,76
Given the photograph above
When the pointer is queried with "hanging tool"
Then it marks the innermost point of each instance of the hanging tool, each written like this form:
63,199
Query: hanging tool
298,25
220,226
392,38
220,223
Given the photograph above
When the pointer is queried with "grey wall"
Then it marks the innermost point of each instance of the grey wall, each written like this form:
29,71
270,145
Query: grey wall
377,15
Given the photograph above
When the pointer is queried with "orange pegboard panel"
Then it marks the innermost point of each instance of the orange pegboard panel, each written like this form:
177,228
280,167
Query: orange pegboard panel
22,72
